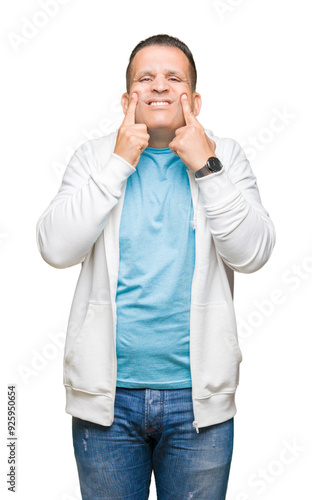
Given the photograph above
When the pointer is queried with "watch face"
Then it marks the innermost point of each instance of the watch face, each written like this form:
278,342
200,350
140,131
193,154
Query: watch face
214,164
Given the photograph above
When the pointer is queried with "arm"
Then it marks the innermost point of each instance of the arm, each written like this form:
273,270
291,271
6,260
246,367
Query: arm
75,218
243,233
77,215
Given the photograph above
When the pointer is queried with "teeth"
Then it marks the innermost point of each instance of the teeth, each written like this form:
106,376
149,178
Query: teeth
158,103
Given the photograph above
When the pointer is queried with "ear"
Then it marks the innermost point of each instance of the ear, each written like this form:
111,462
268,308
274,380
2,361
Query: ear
197,102
125,102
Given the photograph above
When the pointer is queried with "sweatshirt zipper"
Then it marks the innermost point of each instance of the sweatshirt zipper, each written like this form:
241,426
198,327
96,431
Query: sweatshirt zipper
114,238
195,197
195,426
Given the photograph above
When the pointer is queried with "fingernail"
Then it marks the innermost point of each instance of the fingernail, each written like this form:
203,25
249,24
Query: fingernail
184,96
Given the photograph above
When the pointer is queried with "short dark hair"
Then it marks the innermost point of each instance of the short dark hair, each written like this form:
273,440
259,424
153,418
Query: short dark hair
169,41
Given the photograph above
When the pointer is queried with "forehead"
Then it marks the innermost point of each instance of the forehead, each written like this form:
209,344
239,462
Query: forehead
160,59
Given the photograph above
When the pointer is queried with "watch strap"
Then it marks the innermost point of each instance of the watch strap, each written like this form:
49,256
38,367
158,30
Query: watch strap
203,171
213,165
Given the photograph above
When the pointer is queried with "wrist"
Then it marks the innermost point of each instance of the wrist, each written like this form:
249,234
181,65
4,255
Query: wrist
212,166
201,162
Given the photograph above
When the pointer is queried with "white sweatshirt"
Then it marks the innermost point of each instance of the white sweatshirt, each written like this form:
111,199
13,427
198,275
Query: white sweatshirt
233,232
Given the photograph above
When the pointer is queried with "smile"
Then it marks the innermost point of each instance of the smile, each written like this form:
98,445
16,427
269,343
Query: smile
158,104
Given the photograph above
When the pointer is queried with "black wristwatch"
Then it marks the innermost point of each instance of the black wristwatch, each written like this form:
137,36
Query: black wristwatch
213,165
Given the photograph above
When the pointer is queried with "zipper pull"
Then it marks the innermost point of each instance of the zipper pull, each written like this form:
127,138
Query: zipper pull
195,426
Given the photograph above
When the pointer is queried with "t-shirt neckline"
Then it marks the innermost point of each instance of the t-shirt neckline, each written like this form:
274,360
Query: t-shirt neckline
158,150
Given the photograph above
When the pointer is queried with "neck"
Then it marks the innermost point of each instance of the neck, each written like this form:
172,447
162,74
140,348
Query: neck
160,138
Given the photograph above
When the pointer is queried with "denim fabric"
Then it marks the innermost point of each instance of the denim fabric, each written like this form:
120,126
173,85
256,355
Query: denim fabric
152,430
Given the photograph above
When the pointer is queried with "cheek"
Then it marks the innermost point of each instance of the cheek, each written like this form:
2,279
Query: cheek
141,98
140,106
137,88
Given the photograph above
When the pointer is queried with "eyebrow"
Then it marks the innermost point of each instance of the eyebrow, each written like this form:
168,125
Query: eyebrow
166,71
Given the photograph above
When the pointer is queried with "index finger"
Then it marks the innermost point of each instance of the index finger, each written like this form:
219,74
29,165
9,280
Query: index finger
130,113
187,111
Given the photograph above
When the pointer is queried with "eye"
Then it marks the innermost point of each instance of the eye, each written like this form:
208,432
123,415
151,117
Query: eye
174,79
145,79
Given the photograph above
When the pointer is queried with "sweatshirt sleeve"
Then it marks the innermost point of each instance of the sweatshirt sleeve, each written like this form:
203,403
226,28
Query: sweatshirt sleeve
241,228
76,216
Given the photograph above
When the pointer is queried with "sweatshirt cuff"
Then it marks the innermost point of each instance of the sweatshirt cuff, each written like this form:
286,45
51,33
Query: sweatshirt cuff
216,188
113,175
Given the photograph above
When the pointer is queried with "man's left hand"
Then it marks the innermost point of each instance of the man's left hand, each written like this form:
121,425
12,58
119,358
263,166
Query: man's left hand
191,143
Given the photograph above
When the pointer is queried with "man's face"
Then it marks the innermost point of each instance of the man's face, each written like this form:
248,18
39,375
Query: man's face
160,74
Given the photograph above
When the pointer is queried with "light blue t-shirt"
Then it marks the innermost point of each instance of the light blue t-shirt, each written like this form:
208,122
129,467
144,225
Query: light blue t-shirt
157,258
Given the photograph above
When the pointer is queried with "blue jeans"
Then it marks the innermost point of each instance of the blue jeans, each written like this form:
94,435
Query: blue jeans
152,430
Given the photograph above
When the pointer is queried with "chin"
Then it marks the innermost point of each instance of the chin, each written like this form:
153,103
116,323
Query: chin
160,119
162,122
164,125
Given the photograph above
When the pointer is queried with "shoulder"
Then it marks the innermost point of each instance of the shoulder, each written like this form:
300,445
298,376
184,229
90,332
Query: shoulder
96,152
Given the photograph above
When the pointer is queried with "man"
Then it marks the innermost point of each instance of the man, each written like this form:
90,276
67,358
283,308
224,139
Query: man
159,215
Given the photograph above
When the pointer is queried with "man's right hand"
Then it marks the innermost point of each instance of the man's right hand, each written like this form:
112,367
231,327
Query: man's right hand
132,138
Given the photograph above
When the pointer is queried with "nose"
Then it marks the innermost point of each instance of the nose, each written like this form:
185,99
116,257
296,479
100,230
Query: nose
160,84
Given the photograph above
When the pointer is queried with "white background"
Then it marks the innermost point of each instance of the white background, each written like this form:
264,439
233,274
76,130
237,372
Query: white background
61,85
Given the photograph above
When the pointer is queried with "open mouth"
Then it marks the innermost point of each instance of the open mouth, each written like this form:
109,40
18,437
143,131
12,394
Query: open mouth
158,104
